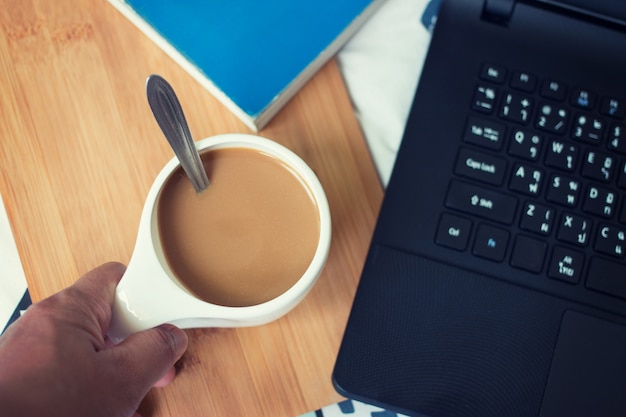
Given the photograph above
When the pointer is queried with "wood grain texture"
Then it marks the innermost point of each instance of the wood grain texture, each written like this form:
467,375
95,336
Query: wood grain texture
79,149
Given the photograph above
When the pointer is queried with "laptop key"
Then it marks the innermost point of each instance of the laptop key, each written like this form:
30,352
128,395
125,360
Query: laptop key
553,90
583,98
537,218
453,231
526,179
563,190
523,81
485,99
598,166
611,240
607,277
600,201
566,264
494,73
552,118
574,229
525,144
491,242
480,166
516,108
562,155
588,128
617,138
528,253
613,107
485,133
480,201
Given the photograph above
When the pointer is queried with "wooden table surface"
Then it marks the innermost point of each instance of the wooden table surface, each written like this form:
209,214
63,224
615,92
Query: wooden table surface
79,150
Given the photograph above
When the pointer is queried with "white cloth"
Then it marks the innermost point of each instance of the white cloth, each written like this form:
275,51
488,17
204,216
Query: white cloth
381,65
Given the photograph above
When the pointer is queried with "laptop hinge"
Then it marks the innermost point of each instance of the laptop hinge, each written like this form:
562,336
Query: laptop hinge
498,11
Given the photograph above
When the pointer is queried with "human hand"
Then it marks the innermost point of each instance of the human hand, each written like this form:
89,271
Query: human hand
56,360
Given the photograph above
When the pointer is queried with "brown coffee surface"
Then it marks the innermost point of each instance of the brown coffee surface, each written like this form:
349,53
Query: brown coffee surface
248,237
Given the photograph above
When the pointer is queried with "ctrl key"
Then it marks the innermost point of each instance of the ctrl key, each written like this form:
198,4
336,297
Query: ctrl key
453,231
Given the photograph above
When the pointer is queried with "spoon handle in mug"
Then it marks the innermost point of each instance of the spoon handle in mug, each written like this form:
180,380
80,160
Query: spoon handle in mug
170,117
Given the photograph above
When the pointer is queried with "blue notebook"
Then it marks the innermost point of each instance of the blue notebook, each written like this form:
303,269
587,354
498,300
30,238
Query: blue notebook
252,55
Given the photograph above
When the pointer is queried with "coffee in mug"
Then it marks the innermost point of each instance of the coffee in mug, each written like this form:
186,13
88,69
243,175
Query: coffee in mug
248,237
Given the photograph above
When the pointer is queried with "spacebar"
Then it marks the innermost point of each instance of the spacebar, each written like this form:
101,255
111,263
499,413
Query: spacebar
607,277
481,201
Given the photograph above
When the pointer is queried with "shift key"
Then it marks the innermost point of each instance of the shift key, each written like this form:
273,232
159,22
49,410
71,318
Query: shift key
480,201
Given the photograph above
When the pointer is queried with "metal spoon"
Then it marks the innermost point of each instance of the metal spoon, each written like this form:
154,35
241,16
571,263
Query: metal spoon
170,117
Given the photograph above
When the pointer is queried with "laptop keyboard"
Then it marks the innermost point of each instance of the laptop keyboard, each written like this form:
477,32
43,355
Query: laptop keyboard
549,160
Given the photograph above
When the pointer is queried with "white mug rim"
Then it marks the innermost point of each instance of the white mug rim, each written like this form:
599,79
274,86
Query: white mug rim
234,140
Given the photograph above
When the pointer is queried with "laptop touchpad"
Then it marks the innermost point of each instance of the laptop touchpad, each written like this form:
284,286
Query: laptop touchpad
588,373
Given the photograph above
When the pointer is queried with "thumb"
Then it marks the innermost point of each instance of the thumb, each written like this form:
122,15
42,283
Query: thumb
147,356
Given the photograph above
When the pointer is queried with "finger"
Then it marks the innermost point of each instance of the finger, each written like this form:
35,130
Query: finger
86,305
147,356
166,379
99,283
94,292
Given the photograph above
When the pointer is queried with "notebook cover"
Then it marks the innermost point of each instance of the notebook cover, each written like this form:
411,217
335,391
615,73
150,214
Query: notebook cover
252,55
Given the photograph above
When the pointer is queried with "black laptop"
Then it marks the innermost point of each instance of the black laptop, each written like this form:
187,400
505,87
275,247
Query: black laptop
495,284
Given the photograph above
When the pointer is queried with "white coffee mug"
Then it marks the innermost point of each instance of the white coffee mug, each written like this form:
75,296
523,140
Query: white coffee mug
150,294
